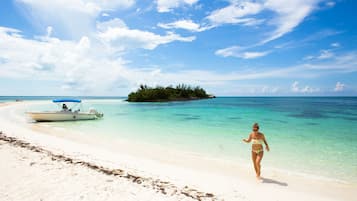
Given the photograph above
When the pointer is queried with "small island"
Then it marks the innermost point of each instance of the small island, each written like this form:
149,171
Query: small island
181,92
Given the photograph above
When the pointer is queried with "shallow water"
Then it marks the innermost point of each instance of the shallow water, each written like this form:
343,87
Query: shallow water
308,135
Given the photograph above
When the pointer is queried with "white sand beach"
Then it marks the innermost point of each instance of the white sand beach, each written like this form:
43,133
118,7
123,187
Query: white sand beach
45,163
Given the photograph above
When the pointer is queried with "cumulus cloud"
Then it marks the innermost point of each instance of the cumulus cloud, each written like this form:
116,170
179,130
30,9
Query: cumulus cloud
339,87
49,31
236,51
79,67
118,35
71,19
79,18
91,7
74,64
236,13
330,4
269,90
295,87
184,24
306,89
112,23
168,5
286,16
324,54
335,44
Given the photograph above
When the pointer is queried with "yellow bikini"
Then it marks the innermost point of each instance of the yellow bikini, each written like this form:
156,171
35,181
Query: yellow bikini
258,141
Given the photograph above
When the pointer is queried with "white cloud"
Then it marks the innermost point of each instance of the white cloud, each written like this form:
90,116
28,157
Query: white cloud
78,66
335,44
339,87
184,24
286,16
232,14
118,35
84,6
113,23
306,89
308,57
341,63
73,64
289,14
252,55
325,54
295,87
236,51
49,31
269,90
236,13
70,18
168,5
330,4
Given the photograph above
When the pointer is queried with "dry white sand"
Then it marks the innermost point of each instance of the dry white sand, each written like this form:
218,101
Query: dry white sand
27,175
225,180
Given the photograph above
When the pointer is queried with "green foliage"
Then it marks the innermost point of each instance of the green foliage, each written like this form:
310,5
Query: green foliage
161,94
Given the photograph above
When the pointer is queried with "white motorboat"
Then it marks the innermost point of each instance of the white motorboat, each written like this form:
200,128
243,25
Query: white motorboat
66,114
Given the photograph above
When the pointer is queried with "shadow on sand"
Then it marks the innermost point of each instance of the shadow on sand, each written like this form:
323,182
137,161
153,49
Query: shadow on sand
272,181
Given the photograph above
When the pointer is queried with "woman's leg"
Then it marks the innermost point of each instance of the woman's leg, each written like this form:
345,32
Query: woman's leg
254,158
259,158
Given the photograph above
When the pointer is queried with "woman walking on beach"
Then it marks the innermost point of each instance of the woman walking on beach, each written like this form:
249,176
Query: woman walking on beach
258,139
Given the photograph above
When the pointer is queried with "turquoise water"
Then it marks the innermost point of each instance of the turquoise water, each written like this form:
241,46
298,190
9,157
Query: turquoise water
309,135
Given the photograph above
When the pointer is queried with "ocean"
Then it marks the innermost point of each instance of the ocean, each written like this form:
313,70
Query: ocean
307,135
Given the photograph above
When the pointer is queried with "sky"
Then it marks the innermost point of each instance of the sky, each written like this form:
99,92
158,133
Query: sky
228,47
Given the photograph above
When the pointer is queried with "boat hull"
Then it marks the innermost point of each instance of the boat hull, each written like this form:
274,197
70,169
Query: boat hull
62,116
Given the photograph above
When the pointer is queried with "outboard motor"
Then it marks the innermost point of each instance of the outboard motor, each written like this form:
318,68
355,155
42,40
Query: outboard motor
97,114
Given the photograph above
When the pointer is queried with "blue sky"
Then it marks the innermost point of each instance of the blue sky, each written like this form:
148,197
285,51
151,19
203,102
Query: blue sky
228,47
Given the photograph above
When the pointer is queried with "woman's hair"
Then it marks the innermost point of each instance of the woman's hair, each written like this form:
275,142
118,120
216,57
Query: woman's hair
256,125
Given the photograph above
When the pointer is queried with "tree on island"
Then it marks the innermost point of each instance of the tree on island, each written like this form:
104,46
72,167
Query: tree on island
181,92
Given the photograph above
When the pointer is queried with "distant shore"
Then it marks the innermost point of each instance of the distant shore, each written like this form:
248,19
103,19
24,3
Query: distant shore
168,94
59,165
174,99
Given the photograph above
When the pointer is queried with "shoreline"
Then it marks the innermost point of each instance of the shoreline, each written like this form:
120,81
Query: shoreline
227,181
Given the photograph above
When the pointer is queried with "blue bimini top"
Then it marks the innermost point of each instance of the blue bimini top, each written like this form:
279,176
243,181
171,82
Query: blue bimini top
66,100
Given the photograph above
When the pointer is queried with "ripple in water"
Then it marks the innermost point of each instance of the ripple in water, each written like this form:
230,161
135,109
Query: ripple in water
309,115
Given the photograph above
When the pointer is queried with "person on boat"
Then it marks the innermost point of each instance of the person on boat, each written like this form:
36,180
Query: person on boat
64,107
258,139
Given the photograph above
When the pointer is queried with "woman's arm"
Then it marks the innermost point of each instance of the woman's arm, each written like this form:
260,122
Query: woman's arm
249,139
266,143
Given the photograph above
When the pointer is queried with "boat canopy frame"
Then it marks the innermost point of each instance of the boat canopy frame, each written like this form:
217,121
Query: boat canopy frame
66,101
77,103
